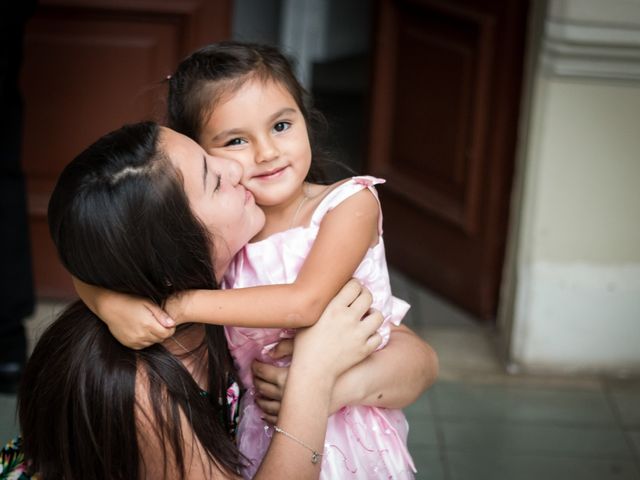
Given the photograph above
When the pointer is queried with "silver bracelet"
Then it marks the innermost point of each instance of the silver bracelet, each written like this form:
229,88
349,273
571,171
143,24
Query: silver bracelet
315,455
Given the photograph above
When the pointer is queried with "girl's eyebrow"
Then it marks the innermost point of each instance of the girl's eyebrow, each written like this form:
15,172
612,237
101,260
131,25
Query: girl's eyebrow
279,113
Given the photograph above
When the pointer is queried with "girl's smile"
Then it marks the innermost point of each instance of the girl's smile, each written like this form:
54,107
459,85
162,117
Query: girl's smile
270,174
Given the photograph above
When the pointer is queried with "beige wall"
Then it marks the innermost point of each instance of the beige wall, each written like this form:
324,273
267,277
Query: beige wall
586,204
572,302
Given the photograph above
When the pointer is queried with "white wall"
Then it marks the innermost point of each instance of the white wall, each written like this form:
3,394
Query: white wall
575,302
322,30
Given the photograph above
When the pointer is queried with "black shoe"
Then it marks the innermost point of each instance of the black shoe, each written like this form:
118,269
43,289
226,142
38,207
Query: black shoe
10,373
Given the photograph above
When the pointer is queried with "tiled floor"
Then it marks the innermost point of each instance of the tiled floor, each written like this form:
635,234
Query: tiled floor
476,430
479,423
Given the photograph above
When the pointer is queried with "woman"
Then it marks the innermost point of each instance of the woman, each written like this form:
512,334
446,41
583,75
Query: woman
120,218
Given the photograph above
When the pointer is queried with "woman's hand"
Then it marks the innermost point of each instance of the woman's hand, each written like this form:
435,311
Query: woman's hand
347,326
343,336
270,380
134,321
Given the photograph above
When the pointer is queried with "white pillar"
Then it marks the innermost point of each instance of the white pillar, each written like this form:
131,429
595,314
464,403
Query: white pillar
572,293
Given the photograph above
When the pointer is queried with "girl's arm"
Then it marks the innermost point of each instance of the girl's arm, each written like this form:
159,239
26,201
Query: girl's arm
384,379
345,235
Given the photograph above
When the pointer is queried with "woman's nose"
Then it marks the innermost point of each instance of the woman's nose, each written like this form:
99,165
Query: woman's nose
267,151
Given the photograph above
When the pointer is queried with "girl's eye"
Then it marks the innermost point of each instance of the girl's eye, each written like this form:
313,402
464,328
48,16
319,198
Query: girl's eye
235,141
282,126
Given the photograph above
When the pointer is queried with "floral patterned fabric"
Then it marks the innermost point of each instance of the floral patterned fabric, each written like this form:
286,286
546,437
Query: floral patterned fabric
12,463
233,401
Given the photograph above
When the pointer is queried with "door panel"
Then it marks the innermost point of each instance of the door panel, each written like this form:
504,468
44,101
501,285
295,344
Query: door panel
89,67
444,111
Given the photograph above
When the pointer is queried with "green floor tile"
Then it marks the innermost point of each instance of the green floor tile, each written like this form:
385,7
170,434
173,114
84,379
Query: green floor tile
422,433
479,466
429,465
627,400
535,439
422,406
522,404
8,422
635,437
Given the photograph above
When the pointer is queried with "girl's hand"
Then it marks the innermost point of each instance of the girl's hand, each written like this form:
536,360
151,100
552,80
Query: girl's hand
134,321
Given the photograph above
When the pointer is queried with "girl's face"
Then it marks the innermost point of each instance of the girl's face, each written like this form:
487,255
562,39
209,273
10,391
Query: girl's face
261,126
216,197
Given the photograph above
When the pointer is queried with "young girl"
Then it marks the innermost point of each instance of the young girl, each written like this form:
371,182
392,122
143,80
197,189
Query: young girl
243,102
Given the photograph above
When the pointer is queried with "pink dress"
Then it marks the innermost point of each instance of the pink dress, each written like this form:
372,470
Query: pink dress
361,442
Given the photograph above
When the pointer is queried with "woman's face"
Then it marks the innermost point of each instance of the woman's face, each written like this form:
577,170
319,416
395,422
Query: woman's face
216,197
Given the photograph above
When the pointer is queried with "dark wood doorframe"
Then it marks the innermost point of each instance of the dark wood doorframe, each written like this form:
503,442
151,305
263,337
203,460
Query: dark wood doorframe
446,92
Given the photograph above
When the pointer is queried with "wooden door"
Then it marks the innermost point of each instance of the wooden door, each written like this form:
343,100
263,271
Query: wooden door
444,111
89,67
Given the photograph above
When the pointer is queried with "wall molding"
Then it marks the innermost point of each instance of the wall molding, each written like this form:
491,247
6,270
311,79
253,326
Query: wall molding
591,50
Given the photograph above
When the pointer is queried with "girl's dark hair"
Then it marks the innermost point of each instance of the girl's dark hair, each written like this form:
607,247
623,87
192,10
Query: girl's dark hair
120,219
215,70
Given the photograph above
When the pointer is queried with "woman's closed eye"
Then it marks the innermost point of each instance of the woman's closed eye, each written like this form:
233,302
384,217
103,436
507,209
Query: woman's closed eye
217,183
281,126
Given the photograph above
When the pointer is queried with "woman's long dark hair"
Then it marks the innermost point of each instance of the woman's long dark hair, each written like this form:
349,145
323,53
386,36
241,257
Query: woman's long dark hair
120,219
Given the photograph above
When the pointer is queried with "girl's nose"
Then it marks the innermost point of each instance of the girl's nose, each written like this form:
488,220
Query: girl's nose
267,151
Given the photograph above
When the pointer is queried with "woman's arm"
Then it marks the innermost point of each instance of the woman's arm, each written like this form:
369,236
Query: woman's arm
339,340
393,377
322,353
384,379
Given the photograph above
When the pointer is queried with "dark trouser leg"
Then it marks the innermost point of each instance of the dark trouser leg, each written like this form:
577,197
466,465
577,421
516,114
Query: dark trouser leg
16,290
16,285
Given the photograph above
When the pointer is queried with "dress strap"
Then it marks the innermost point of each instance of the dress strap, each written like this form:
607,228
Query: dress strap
345,190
